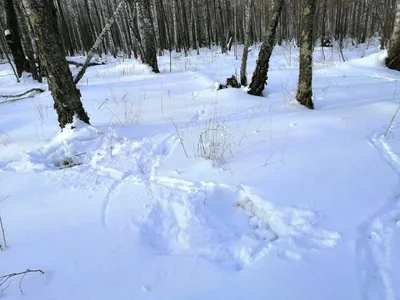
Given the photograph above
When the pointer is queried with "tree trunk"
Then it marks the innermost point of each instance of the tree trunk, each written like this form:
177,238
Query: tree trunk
304,88
43,17
147,34
13,38
243,67
260,75
393,59
221,29
27,43
99,40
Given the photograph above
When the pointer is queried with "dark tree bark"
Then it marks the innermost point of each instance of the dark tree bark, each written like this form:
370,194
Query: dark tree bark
43,17
304,88
260,75
13,37
221,29
147,34
66,32
393,59
27,43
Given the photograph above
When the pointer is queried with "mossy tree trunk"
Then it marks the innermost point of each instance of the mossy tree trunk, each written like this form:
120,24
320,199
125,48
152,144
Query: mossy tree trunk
13,37
304,87
43,18
260,75
247,41
393,59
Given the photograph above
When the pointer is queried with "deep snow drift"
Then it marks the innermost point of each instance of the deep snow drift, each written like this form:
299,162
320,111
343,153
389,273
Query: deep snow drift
179,191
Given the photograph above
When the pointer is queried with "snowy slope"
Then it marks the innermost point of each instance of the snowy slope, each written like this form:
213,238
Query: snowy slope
179,191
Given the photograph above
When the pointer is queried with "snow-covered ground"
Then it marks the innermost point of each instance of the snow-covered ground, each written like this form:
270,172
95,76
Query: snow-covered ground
179,191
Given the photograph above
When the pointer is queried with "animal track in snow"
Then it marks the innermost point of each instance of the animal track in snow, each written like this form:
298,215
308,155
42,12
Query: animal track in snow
373,246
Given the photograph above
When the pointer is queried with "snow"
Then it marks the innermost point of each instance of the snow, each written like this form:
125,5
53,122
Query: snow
180,191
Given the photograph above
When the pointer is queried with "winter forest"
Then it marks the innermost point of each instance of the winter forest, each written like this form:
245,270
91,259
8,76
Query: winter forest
199,149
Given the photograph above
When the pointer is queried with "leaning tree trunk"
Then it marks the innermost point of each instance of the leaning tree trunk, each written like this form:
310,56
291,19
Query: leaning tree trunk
260,75
393,59
304,88
243,68
43,17
13,37
98,42
147,34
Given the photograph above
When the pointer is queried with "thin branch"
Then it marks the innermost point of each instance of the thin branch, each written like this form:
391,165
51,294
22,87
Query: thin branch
3,234
395,114
140,167
5,278
4,199
20,283
180,138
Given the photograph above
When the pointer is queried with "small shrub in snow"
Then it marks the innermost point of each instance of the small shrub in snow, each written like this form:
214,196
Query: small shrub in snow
216,140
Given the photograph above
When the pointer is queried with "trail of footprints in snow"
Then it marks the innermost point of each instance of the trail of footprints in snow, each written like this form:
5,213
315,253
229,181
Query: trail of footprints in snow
373,246
228,226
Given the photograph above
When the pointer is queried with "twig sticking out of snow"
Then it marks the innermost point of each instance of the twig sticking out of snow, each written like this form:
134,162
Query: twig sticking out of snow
2,229
180,138
395,114
3,234
5,278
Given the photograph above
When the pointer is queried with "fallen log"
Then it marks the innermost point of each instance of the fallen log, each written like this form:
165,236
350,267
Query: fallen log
38,90
92,64
13,98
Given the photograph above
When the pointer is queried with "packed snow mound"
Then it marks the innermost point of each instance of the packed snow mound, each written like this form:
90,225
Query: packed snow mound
132,68
374,60
82,145
227,226
68,148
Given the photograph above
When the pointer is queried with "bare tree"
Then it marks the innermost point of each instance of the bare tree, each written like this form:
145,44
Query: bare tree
28,45
393,59
247,41
99,40
13,37
260,75
304,87
147,34
43,18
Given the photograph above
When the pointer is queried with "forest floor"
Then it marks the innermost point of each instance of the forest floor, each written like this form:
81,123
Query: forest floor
179,191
